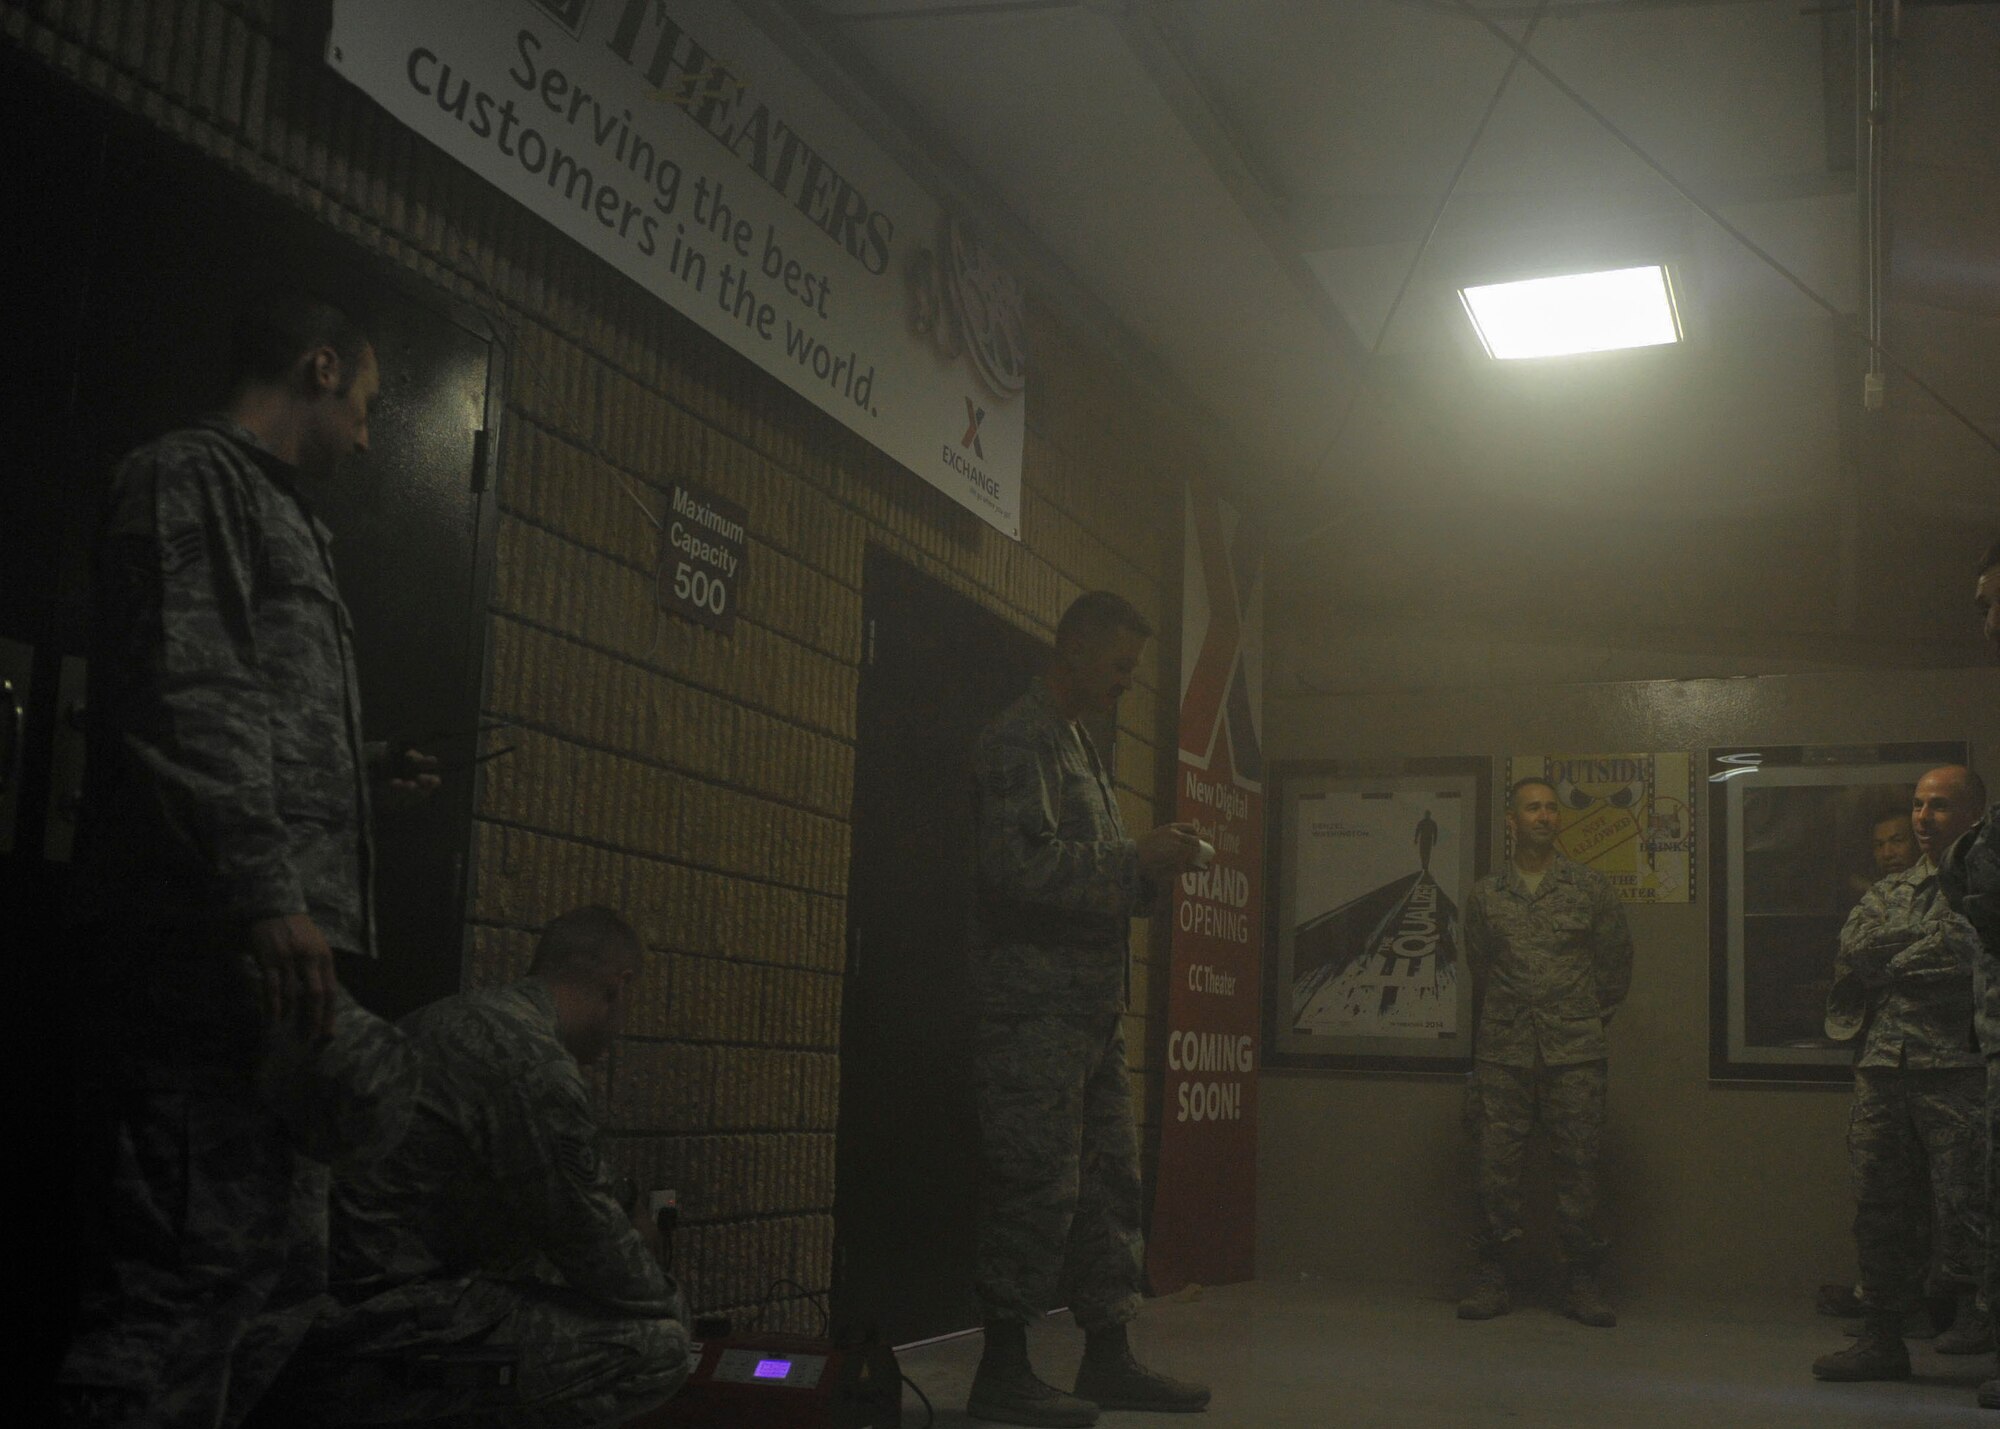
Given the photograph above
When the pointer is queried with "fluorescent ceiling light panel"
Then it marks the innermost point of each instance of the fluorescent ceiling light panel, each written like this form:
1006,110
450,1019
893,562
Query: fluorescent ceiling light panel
1581,312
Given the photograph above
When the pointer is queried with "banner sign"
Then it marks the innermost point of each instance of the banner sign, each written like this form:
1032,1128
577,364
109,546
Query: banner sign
1629,816
674,140
1204,1205
702,569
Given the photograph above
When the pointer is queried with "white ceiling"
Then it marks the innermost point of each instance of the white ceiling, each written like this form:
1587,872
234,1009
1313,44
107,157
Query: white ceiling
1245,183
1234,191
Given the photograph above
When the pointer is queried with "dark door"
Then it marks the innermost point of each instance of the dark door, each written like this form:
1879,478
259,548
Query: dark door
937,667
127,257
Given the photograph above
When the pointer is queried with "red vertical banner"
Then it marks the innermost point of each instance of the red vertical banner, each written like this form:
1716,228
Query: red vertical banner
1204,1203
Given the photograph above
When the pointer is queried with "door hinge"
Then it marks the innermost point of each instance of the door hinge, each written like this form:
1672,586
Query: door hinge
479,459
868,655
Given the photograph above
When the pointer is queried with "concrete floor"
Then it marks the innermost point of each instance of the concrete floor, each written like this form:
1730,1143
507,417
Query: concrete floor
1312,1354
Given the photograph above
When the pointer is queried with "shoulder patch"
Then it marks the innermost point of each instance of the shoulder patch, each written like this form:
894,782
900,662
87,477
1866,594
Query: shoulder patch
577,1156
182,549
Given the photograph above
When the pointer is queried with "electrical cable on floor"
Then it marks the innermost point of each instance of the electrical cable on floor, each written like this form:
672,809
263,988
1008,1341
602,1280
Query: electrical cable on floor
930,1414
1423,248
1724,224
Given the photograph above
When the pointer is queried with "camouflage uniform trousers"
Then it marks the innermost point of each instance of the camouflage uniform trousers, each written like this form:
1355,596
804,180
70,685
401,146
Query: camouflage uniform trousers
1989,1285
415,1355
1059,1213
204,1220
1569,1103
1915,1136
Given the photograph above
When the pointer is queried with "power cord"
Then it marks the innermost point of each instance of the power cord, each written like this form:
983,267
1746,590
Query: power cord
930,1414
813,1298
665,1218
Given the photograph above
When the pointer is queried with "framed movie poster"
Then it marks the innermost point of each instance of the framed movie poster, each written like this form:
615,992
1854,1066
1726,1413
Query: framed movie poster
1796,834
1366,949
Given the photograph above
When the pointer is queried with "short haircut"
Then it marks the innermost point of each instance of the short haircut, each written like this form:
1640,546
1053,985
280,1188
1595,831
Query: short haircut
1989,560
1883,816
277,329
1514,789
1975,787
1100,612
584,941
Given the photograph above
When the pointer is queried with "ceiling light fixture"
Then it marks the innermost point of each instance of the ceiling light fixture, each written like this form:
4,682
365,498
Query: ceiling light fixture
1578,312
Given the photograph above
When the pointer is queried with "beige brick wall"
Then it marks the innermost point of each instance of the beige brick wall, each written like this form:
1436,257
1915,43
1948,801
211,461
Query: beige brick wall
700,782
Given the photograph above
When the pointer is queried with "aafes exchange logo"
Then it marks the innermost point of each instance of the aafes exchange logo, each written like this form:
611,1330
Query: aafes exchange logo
973,417
567,13
955,456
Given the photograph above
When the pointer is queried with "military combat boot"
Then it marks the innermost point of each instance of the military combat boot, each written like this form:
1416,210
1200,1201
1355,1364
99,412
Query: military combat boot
1939,1307
1112,1379
1878,1352
1486,1295
1584,1303
1970,1331
1006,1391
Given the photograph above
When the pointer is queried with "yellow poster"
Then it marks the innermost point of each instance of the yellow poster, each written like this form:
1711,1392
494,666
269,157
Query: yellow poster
1629,816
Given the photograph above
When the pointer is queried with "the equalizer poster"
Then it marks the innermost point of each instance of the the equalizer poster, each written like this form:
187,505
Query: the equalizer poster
1370,954
1204,1206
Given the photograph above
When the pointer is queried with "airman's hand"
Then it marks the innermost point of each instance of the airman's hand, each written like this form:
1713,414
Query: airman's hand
297,975
409,778
1171,848
648,1227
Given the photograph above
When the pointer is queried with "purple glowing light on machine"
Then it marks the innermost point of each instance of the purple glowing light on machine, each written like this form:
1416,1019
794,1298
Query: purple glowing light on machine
772,1369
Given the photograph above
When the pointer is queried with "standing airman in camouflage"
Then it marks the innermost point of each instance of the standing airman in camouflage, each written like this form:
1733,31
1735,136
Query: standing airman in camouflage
1903,985
486,1267
1970,879
223,857
1059,883
1551,961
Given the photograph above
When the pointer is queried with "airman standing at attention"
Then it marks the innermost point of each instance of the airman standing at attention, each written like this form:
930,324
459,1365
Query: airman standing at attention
1551,961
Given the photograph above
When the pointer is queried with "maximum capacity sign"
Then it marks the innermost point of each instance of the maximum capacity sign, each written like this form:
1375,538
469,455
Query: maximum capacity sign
702,557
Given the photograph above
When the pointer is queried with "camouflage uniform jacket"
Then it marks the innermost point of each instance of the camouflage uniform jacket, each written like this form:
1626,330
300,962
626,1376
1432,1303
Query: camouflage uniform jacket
1059,880
227,780
499,1176
1971,882
1904,974
1553,965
